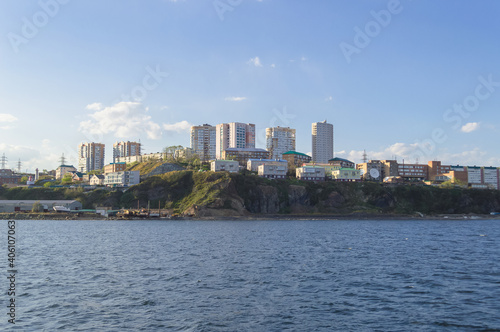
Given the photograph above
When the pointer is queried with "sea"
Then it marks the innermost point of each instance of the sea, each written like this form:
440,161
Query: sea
276,275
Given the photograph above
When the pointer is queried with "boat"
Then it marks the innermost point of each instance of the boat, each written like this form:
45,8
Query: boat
59,208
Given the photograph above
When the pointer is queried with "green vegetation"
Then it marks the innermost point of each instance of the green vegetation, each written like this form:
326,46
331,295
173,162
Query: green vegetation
209,192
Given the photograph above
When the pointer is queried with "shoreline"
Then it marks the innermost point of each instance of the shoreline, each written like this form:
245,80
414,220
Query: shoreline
257,217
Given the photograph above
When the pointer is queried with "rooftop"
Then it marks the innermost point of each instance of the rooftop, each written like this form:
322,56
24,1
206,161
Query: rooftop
298,153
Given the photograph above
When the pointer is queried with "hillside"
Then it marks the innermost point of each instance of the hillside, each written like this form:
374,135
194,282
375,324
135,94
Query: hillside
224,194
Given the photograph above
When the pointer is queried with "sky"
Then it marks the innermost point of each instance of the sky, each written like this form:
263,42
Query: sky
412,80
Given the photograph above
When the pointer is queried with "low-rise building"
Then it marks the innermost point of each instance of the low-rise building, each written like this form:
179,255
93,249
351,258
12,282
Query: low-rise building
346,174
63,169
97,180
77,176
341,163
45,205
115,167
220,165
310,173
242,155
328,168
122,179
8,177
371,170
273,171
253,164
296,158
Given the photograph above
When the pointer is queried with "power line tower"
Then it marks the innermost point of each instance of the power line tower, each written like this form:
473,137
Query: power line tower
62,160
3,160
365,157
19,164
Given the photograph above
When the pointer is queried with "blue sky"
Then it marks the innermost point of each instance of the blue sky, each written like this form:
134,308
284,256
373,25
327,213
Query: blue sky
414,80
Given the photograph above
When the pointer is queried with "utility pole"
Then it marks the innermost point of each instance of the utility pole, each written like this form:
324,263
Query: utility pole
3,160
63,160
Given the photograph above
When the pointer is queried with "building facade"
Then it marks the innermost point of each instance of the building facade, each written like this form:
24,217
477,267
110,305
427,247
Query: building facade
346,174
272,171
220,165
342,163
126,149
122,179
90,157
234,135
8,177
114,167
322,142
279,140
253,164
296,158
203,141
63,169
310,173
243,155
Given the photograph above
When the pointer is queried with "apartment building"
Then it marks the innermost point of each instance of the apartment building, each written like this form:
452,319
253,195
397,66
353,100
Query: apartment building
253,164
279,140
115,167
243,155
90,157
234,135
203,141
322,142
296,158
310,173
220,165
122,179
126,149
273,171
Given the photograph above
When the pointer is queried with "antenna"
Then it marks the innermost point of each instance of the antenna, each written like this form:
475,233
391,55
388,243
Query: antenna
63,160
3,160
365,158
19,166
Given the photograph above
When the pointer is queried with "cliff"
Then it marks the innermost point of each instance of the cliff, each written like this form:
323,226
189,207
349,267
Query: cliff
205,194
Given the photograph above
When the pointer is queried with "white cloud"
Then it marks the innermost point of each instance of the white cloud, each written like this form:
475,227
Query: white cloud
273,65
470,127
179,127
235,98
94,107
124,119
255,61
4,117
329,98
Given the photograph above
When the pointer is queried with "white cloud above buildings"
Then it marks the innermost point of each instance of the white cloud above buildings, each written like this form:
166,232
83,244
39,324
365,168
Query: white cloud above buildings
470,127
179,127
124,119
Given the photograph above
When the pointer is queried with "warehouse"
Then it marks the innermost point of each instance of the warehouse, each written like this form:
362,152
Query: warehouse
27,205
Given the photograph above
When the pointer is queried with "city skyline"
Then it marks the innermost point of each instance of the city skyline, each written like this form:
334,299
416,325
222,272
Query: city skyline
415,80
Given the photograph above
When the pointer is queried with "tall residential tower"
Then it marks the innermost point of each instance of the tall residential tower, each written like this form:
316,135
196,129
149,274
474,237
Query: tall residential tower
90,157
234,135
203,141
126,149
322,142
279,140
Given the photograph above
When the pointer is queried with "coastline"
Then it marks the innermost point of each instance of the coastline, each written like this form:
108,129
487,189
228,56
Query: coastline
254,217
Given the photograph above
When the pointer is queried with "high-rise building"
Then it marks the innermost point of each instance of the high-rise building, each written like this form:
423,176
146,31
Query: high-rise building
90,157
203,141
322,142
234,135
279,140
126,149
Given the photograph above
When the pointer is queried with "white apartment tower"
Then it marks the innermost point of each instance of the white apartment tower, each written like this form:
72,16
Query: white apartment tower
234,135
126,149
203,141
322,142
90,157
279,140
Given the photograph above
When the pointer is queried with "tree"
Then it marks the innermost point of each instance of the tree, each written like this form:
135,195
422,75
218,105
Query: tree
37,207
24,179
67,178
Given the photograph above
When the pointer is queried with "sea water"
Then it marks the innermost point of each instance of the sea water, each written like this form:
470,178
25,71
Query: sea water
411,275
